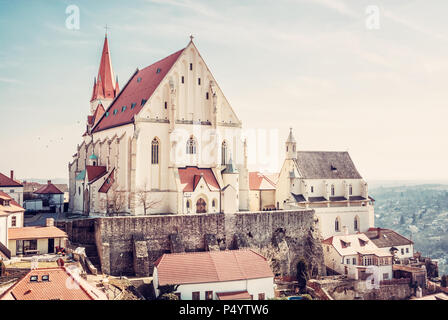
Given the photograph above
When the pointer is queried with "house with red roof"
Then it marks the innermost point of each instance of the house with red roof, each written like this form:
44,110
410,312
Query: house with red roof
215,275
262,191
60,283
167,141
52,197
11,217
12,186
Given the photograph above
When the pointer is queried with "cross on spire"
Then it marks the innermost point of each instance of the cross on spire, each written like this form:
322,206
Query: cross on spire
191,37
106,27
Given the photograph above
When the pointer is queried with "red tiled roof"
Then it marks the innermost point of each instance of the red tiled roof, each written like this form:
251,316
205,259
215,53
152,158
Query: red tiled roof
61,286
35,233
256,179
48,189
235,295
134,92
95,172
13,207
211,266
104,85
106,185
190,176
8,182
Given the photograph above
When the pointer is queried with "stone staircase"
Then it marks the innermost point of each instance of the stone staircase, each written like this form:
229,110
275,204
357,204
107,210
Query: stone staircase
91,253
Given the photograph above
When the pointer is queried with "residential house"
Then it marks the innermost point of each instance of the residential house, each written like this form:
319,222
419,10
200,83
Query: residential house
401,247
215,275
60,283
11,216
36,240
52,198
353,254
12,187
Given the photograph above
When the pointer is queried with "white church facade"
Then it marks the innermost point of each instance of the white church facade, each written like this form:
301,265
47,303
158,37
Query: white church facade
329,183
167,142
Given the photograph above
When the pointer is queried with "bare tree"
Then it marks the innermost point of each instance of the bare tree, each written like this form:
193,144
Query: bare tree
116,201
145,200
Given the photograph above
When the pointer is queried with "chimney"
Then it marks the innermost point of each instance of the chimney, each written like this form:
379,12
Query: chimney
12,174
49,222
49,181
378,230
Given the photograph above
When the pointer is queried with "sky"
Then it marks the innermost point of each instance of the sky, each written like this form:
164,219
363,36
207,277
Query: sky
344,77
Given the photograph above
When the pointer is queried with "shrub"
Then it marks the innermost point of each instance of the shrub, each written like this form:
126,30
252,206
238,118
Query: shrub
306,297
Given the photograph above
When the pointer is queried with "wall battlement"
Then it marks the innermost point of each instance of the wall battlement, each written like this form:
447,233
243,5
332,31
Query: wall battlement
283,237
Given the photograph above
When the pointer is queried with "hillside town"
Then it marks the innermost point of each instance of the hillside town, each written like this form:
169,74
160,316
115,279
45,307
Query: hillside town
160,204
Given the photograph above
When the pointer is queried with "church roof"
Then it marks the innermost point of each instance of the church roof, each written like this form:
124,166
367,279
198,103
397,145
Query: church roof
326,165
135,93
258,181
104,86
190,176
108,183
95,172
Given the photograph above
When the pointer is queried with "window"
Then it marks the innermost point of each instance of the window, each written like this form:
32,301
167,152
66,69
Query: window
196,295
214,203
79,190
407,250
14,221
139,79
107,114
347,261
115,111
261,296
201,206
183,79
208,295
402,251
385,276
133,105
191,146
356,223
312,189
188,204
191,66
11,191
206,95
350,190
354,261
166,104
143,101
158,70
155,151
199,81
332,189
336,224
46,277
328,248
224,153
34,278
123,108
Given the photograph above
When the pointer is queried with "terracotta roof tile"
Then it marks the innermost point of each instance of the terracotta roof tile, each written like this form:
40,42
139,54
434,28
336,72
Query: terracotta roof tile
48,189
6,181
234,295
62,285
259,181
107,183
35,233
189,176
13,205
211,266
95,172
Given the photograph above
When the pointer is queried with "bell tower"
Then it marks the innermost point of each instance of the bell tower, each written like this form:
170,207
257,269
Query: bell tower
290,146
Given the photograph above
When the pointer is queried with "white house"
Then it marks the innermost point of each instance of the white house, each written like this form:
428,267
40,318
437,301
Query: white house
12,187
11,217
329,183
261,192
52,198
401,247
353,254
215,275
168,137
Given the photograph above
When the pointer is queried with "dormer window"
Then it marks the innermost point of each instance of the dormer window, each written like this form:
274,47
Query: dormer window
334,169
34,278
107,114
133,105
115,111
143,102
345,244
158,70
46,277
123,108
139,79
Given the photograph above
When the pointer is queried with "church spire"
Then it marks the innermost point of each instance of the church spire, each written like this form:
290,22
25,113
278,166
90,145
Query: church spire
105,87
290,146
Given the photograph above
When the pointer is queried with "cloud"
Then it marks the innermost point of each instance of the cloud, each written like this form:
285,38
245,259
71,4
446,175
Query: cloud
10,80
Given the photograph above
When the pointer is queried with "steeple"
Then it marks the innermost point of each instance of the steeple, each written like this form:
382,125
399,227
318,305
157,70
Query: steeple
290,146
105,85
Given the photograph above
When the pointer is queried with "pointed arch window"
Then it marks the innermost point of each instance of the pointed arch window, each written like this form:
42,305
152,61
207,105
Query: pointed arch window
337,223
224,153
356,223
155,151
191,145
350,190
332,189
